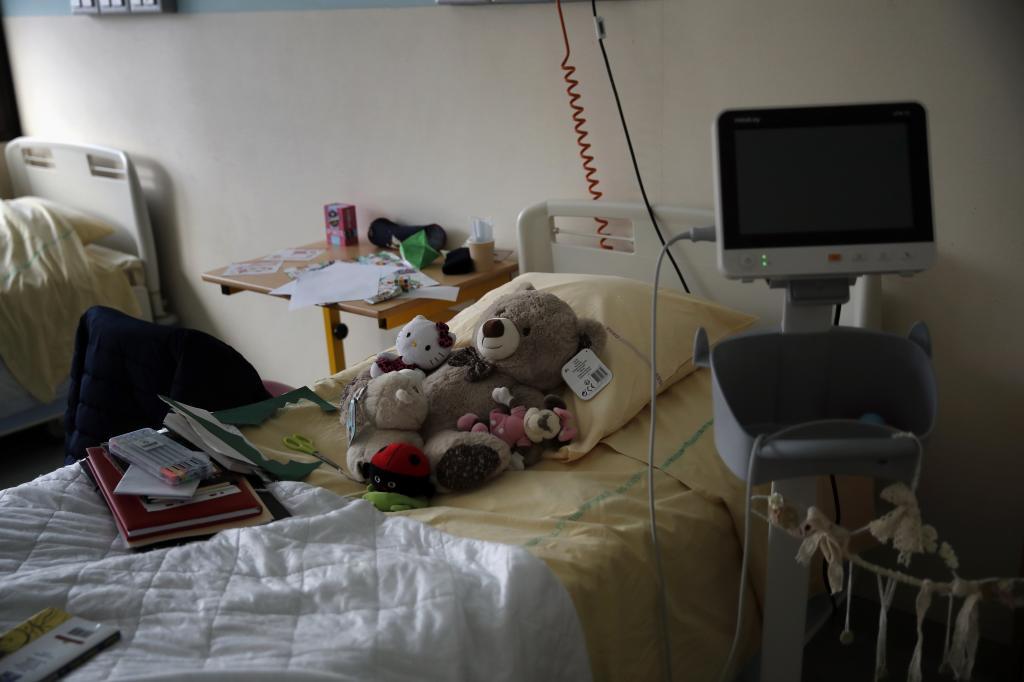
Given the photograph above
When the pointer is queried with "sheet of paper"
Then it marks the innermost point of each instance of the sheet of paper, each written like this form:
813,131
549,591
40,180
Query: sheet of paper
384,258
257,268
294,254
183,427
137,481
424,280
440,293
339,282
285,289
296,272
226,439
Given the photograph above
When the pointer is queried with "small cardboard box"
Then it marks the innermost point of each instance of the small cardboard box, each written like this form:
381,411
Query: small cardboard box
340,224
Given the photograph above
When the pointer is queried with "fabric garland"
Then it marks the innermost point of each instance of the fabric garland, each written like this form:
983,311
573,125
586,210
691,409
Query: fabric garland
924,600
821,534
965,632
885,592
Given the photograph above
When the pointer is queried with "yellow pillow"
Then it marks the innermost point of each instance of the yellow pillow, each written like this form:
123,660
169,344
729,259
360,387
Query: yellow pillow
87,228
624,307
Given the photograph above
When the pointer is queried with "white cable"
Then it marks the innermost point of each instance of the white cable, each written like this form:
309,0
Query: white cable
751,466
666,648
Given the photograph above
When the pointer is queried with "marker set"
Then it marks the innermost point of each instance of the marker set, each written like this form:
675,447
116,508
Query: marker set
161,456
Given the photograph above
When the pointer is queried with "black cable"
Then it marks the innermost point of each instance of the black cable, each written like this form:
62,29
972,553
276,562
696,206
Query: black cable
835,496
831,477
629,143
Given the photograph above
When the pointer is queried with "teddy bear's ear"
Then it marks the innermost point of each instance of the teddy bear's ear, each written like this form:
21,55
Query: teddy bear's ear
592,334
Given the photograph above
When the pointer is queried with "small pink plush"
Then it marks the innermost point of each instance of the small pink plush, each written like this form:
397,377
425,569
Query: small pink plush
471,422
510,423
508,426
568,421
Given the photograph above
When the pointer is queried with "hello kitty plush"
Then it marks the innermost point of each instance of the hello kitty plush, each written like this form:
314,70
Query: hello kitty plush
421,344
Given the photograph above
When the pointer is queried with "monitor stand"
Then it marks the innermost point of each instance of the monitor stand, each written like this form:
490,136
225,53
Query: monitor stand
808,308
810,302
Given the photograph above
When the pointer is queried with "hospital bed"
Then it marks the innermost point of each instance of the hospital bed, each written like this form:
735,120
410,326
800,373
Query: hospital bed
101,183
582,511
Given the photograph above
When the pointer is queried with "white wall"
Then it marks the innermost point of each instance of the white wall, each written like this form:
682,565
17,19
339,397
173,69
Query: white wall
245,124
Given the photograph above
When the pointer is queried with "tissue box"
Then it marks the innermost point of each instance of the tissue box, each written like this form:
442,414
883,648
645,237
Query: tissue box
340,223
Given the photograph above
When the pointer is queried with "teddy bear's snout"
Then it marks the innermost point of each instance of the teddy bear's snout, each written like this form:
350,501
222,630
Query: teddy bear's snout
497,338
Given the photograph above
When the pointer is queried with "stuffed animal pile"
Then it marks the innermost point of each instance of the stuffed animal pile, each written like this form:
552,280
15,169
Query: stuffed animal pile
509,374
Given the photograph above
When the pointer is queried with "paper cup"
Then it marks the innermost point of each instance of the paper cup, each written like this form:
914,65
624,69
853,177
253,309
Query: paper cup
482,255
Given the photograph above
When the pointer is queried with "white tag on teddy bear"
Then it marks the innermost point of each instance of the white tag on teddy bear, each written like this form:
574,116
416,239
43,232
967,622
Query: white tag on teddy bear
586,374
352,414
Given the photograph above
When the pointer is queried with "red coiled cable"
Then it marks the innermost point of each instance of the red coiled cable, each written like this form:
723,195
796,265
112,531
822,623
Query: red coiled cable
580,120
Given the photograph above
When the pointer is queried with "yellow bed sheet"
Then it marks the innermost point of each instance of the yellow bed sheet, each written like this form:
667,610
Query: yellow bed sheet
588,520
47,280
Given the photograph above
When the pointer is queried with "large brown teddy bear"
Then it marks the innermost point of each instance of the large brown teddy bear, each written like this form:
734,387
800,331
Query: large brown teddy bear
520,344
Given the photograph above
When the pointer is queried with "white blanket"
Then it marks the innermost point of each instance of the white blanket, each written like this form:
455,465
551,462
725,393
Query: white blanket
340,591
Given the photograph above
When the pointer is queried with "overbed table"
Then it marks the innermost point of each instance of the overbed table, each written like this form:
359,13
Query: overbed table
389,314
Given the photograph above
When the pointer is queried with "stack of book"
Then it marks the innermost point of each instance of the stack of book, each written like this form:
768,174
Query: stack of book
149,512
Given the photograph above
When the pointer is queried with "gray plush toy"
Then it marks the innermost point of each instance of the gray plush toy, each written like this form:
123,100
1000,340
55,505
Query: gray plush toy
520,344
388,409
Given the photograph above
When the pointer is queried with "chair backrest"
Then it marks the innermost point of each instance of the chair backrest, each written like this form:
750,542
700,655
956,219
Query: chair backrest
121,366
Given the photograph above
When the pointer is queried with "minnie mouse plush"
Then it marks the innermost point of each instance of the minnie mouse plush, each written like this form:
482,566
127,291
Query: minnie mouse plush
421,344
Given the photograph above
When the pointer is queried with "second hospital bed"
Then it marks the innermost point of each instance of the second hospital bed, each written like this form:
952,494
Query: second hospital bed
96,191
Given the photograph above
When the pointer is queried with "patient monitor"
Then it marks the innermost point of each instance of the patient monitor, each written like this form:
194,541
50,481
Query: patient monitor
832,191
809,199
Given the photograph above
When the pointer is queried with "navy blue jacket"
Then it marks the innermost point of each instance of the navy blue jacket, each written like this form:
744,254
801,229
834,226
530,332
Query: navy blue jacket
122,364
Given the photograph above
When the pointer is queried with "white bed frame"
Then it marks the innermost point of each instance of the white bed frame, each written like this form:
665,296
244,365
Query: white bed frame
542,250
101,182
546,246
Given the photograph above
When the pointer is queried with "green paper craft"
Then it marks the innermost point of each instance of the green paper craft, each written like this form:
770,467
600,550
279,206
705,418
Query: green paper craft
417,251
257,413
290,471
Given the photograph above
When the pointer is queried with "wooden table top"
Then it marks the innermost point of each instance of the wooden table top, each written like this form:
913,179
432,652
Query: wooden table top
470,285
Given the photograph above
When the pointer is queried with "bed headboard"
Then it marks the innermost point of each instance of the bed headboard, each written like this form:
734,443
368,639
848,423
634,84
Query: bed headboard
547,246
99,181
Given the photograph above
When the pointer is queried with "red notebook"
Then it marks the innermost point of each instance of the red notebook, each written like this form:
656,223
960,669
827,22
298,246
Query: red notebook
135,522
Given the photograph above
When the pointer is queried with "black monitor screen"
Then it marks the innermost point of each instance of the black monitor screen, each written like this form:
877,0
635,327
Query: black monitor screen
794,180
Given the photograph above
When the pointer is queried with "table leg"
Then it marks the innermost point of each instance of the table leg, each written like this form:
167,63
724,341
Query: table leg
334,331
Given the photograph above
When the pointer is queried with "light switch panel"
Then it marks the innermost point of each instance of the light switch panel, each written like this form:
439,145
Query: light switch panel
113,6
152,6
84,7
